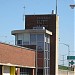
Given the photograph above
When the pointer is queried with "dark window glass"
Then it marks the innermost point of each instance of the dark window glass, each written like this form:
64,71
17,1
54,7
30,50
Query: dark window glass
49,47
46,46
40,45
19,42
46,54
40,37
33,39
24,71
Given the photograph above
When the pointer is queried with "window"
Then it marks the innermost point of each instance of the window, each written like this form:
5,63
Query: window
25,43
47,38
46,54
40,45
45,63
33,39
24,71
40,37
49,55
48,63
19,42
46,48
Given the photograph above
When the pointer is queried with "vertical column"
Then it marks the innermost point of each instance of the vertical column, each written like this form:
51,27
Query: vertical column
12,70
18,71
74,70
33,71
56,61
53,27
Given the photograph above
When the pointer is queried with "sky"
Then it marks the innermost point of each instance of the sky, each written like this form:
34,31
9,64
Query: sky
11,18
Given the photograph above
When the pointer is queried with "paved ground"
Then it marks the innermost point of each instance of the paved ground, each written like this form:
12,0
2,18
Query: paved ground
65,72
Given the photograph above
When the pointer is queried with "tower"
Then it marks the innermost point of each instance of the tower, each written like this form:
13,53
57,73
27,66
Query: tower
50,22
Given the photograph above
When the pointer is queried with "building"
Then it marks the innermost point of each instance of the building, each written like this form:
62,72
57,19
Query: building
50,22
41,25
37,38
16,60
12,58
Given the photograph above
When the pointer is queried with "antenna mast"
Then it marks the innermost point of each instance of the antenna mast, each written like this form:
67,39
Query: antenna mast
56,6
24,15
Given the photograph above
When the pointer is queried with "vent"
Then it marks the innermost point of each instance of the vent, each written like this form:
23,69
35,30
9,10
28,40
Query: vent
38,27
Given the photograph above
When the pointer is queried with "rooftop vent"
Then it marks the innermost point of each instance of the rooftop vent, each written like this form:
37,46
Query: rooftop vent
38,27
53,11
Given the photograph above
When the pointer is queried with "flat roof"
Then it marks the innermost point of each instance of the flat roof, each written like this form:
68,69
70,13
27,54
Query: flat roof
40,14
31,31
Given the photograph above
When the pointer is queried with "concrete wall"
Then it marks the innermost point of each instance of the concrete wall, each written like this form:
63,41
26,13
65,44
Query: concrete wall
65,72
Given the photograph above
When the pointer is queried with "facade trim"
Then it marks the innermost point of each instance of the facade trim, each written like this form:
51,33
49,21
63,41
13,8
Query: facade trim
9,64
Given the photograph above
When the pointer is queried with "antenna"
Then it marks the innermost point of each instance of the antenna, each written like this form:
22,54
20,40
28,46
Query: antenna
56,6
24,15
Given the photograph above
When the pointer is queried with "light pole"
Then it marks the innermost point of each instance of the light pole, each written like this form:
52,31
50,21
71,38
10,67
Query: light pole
63,59
68,54
72,6
56,7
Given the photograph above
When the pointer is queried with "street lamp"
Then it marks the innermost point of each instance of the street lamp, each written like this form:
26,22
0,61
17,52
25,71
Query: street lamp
68,54
67,46
72,6
56,7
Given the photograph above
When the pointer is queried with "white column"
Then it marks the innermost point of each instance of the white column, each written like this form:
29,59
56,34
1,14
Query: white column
74,70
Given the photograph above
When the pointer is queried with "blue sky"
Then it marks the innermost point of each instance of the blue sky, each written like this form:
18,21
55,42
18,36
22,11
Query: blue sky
11,18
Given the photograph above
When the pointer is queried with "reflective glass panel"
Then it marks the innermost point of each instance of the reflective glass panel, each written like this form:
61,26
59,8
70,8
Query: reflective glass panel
40,37
40,45
33,39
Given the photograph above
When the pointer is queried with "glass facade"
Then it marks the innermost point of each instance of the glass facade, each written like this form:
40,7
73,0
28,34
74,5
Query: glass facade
40,37
37,39
42,41
40,45
32,39
43,44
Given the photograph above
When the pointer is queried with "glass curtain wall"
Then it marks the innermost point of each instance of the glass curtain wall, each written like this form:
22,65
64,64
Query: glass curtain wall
43,44
37,39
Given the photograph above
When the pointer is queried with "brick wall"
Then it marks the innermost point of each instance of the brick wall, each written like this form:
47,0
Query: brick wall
16,55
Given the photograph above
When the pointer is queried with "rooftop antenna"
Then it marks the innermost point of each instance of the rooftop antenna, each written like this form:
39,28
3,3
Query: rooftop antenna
56,7
24,15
